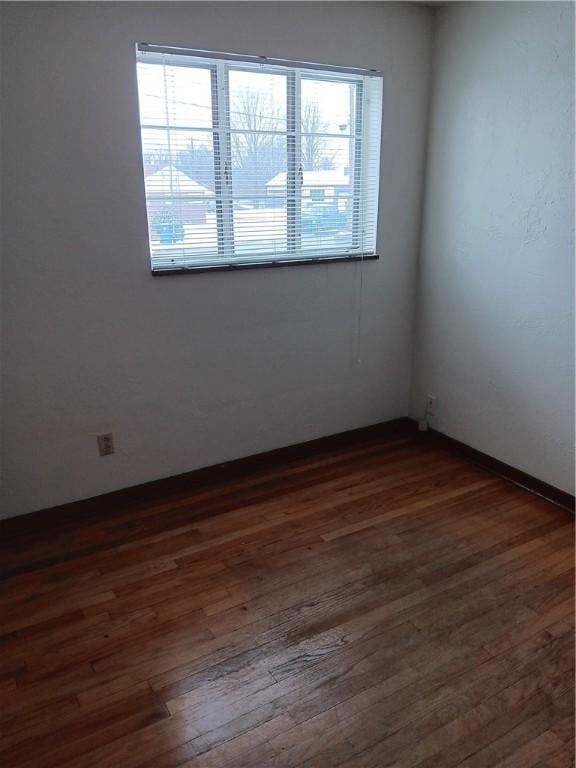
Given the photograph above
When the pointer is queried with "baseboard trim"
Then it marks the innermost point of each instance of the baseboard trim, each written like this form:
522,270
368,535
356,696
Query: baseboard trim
105,506
503,470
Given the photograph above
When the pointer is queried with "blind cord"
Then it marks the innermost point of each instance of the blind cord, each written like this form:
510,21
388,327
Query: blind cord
359,314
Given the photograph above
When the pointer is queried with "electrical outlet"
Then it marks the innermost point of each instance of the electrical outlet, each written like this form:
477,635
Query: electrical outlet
430,404
105,444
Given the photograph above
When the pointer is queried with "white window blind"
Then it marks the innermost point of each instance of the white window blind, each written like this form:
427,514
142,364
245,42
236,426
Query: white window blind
250,161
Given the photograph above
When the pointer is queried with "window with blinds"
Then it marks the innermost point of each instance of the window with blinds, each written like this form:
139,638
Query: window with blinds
251,161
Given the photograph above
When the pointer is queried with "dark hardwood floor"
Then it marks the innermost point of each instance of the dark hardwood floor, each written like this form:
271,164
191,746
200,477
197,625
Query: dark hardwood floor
377,604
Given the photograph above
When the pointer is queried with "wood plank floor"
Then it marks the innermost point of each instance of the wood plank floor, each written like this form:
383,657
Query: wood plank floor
377,604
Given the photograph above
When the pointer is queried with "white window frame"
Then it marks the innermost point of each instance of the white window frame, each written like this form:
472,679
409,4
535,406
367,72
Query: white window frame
364,216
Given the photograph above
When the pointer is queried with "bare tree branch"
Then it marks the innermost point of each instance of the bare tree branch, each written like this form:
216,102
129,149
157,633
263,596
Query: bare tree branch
314,154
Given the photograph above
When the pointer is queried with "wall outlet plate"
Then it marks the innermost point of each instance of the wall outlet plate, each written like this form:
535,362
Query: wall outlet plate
105,444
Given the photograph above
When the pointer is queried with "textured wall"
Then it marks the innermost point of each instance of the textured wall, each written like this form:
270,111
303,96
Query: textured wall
495,318
187,371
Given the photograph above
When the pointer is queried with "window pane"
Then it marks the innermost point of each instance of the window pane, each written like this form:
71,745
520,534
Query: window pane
259,228
323,155
176,96
181,230
180,201
258,161
258,108
190,155
258,146
327,224
257,101
327,191
259,192
327,106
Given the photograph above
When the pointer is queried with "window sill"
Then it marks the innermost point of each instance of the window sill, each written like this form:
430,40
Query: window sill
160,272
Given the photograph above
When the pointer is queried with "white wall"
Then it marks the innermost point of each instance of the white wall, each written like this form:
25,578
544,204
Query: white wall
187,371
495,320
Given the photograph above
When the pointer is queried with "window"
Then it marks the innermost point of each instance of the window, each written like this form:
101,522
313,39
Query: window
251,161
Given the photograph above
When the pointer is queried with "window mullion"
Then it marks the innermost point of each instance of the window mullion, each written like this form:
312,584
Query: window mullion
222,160
294,175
